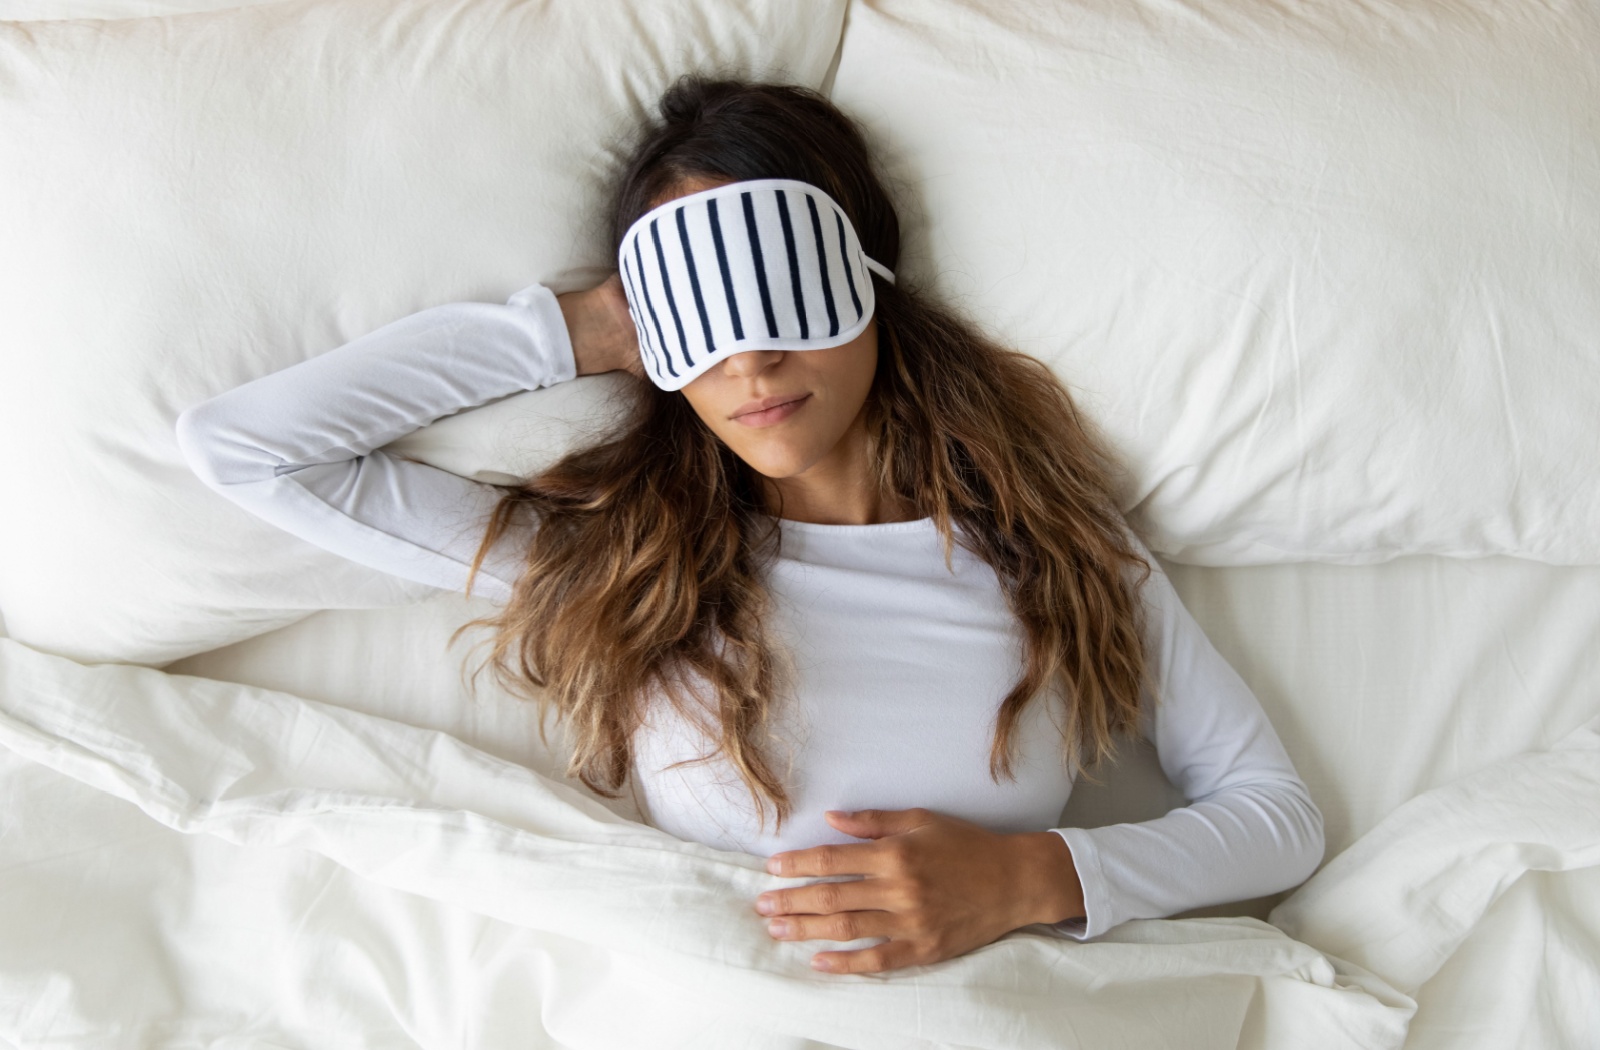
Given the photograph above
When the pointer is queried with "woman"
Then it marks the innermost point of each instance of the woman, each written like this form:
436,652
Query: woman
843,559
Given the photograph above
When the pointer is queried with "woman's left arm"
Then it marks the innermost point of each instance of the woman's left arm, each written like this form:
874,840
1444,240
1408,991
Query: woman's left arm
1251,827
934,886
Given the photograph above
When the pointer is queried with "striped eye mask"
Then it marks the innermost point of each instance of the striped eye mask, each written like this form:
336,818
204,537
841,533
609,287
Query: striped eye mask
763,264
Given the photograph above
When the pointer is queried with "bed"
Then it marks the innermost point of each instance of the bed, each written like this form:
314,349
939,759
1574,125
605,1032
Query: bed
1324,273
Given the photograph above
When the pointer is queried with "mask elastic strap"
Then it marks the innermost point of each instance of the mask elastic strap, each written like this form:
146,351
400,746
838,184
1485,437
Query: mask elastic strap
878,268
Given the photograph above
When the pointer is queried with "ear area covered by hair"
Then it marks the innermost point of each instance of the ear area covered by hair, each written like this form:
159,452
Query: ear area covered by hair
353,162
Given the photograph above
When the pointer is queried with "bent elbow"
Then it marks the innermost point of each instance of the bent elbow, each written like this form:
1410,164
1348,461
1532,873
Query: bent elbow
197,443
1310,838
216,449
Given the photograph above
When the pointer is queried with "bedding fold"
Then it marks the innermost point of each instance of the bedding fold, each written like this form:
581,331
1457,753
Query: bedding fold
1401,899
478,844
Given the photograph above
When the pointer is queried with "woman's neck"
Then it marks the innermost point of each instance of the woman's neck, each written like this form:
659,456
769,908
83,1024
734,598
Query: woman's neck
867,510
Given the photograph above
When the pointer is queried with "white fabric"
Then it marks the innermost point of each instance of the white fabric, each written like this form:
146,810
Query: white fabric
901,661
1325,272
1464,844
1526,973
412,887
310,869
298,447
158,250
41,10
1384,681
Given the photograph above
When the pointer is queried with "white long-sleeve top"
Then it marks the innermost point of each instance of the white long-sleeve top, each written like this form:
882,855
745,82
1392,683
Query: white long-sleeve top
900,662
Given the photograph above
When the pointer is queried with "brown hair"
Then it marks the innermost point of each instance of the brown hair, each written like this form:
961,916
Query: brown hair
645,568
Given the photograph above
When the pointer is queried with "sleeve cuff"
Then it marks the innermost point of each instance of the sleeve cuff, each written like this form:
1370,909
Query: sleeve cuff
1098,914
559,362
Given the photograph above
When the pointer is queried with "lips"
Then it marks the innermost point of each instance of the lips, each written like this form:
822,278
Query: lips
765,403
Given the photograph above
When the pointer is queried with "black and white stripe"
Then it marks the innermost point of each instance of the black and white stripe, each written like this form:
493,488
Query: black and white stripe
759,264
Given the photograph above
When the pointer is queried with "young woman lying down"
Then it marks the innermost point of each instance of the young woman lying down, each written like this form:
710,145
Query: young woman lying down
847,586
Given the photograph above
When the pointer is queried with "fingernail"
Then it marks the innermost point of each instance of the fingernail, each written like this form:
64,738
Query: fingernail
764,905
778,927
772,867
818,963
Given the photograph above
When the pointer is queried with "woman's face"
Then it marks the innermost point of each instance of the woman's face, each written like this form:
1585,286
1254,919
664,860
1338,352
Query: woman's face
827,387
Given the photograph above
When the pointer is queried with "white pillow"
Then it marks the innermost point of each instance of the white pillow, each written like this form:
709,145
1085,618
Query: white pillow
522,434
192,202
1327,273
39,10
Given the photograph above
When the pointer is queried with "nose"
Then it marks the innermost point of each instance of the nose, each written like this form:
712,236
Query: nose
751,362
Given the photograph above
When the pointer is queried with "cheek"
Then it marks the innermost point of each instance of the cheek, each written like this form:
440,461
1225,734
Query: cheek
855,366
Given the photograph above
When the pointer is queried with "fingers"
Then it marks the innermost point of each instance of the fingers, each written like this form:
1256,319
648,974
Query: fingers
877,823
840,926
891,955
824,898
853,858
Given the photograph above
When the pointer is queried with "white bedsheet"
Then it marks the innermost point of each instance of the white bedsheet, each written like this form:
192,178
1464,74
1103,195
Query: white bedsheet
1382,680
476,863
284,920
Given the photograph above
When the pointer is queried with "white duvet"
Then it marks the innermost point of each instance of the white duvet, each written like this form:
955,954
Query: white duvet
190,862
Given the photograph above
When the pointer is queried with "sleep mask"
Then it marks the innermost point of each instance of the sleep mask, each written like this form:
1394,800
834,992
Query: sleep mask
763,264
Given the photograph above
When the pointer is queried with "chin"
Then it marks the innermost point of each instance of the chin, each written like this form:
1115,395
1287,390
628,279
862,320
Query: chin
777,462
776,470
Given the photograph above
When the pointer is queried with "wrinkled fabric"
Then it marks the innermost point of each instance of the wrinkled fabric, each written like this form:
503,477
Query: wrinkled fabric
1324,272
352,162
412,887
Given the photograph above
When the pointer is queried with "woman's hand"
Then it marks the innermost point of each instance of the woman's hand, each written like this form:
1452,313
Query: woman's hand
936,886
601,329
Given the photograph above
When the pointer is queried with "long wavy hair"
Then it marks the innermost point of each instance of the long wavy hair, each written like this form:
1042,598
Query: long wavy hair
644,574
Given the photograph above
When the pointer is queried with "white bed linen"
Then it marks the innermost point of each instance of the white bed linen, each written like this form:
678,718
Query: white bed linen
1323,271
1382,680
417,811
481,845
40,10
270,149
1385,681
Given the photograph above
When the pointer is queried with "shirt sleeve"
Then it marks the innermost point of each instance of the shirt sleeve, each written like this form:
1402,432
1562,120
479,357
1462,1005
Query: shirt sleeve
300,447
1250,829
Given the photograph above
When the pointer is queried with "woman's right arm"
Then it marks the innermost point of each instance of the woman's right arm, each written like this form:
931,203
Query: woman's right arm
300,447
